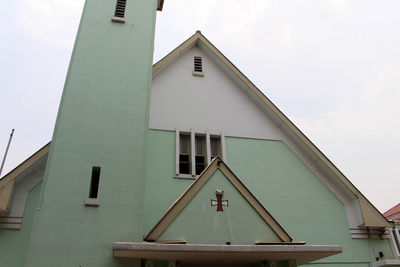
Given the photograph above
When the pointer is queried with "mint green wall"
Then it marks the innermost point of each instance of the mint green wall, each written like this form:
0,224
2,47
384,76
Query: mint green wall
294,196
297,199
200,223
102,121
14,243
161,188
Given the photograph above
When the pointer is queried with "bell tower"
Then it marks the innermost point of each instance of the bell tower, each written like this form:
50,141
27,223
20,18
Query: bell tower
93,189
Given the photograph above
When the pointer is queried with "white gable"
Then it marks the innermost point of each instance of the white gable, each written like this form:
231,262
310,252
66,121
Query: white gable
179,99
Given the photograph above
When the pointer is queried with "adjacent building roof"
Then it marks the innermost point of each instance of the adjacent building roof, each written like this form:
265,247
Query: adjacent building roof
393,213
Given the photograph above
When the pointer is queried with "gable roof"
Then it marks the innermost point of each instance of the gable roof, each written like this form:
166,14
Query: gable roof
370,215
195,187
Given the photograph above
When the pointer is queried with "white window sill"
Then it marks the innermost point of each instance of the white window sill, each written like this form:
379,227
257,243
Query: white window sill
118,19
198,73
185,176
92,202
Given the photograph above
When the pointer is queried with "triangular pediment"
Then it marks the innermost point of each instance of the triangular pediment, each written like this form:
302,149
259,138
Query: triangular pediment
244,102
218,208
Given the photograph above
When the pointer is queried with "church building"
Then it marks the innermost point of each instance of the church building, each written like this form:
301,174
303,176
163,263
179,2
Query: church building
181,163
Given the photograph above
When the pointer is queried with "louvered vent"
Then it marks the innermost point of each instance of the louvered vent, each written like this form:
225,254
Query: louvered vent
198,64
120,9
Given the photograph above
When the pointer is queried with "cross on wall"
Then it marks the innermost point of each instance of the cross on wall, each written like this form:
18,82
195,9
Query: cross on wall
219,202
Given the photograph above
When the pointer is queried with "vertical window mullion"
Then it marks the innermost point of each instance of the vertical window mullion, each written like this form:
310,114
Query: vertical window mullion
208,147
192,147
223,148
177,160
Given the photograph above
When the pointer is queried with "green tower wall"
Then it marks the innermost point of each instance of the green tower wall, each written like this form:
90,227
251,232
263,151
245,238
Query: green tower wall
102,121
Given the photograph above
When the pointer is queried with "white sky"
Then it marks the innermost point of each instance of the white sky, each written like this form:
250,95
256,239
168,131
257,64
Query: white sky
332,66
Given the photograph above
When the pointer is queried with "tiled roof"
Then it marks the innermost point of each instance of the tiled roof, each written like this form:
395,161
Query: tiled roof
394,210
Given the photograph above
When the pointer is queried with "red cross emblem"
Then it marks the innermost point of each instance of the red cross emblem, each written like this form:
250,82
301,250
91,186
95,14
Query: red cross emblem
219,202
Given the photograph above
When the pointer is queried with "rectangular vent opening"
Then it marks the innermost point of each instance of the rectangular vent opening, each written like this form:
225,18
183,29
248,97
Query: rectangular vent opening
120,9
94,184
198,64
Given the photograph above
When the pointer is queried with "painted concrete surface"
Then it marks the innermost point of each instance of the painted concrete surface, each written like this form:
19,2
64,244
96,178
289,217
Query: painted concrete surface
201,223
216,103
14,243
297,199
102,121
213,102
286,187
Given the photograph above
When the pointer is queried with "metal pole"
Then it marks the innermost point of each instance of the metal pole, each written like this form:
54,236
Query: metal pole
5,154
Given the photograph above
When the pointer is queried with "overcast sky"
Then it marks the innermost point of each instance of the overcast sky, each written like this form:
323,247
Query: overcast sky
332,66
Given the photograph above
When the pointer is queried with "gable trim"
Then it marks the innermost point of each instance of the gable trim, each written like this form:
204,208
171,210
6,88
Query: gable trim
7,182
196,186
370,215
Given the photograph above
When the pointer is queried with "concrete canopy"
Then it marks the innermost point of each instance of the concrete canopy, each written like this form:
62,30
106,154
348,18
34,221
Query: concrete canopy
223,254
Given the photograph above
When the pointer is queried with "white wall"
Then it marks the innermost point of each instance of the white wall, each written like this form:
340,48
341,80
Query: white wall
181,100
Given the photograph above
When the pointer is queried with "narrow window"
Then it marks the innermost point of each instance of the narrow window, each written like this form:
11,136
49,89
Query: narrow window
120,9
184,154
94,184
198,64
200,143
215,147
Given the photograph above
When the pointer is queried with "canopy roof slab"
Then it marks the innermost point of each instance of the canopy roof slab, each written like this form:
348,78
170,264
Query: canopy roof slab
243,254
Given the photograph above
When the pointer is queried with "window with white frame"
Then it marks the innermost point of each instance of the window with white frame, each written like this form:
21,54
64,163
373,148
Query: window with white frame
184,154
195,150
200,153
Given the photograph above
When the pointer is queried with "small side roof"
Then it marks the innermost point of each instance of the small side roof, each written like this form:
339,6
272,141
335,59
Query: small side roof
7,182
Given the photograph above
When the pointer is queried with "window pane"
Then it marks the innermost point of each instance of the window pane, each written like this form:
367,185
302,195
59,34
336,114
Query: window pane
184,168
200,145
184,154
200,164
214,147
184,144
184,158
